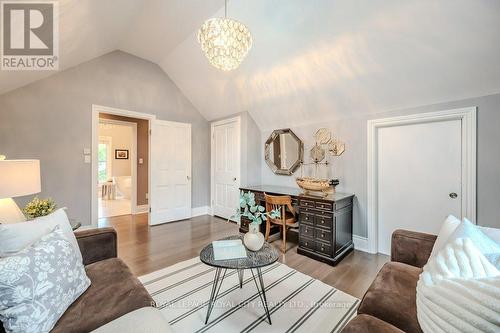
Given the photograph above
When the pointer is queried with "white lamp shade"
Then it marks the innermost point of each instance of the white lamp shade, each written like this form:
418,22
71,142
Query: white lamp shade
19,177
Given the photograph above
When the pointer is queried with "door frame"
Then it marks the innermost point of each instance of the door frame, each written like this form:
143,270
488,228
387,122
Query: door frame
96,110
467,116
236,120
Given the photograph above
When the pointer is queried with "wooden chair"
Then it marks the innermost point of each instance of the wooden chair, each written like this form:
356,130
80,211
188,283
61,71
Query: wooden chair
287,217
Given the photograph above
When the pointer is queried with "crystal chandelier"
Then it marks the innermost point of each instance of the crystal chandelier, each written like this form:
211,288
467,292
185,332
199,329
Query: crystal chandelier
224,41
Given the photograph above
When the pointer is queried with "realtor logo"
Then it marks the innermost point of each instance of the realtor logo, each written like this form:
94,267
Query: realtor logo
30,35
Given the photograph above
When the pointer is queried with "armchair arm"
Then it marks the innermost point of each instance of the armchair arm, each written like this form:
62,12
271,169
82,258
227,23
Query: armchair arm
97,244
410,247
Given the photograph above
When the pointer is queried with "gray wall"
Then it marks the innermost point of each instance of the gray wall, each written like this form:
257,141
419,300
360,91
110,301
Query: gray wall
350,168
50,120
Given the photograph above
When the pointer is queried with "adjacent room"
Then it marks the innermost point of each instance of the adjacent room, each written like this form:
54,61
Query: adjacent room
250,166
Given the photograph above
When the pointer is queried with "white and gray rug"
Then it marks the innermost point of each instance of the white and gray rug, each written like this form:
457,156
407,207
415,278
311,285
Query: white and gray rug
297,302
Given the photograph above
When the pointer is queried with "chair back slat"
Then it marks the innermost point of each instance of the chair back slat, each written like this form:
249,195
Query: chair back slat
279,203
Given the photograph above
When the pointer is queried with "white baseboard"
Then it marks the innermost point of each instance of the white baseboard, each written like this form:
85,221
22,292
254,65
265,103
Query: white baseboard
198,211
141,209
360,243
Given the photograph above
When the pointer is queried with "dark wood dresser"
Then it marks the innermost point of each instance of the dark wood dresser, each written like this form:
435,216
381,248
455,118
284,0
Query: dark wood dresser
325,223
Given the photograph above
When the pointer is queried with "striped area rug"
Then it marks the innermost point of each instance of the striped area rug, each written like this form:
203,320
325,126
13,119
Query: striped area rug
297,302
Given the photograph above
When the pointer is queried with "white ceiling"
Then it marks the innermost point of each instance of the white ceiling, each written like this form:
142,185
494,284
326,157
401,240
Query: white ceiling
311,60
146,28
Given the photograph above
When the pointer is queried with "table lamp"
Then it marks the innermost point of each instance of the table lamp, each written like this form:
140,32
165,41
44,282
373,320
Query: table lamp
17,178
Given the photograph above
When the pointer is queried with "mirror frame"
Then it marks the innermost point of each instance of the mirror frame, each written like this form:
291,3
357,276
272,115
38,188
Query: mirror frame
270,163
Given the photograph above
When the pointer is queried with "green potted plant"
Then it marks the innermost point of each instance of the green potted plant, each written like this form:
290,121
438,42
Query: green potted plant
253,239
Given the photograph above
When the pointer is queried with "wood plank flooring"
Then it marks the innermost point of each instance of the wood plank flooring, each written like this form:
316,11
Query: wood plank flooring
146,249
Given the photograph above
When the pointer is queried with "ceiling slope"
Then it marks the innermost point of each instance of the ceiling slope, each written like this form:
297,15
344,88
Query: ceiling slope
310,61
161,25
149,29
314,60
87,29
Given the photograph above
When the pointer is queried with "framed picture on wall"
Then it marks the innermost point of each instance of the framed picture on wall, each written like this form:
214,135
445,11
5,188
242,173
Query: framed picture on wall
121,154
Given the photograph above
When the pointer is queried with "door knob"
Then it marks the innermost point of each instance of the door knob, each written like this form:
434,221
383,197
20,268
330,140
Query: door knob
188,178
453,195
234,178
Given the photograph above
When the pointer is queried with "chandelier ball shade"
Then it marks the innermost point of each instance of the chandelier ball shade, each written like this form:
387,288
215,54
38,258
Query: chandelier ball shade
225,42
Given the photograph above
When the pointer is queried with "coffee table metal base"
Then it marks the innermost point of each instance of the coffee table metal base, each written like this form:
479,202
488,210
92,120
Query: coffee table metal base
220,274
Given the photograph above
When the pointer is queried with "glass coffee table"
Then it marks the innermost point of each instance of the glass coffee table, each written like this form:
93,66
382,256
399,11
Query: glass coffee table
253,262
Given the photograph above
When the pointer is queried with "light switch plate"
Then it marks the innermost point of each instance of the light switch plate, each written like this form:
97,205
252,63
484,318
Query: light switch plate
86,151
87,159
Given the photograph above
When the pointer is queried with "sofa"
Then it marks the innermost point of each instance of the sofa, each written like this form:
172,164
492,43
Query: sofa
389,304
114,290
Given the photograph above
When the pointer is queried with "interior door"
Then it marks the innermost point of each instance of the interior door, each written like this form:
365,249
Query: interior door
419,177
170,197
226,168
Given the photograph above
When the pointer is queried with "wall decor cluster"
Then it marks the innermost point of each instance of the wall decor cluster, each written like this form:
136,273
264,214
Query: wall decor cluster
325,143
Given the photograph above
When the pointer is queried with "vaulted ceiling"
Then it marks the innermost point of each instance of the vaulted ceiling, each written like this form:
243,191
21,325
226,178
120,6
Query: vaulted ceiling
311,60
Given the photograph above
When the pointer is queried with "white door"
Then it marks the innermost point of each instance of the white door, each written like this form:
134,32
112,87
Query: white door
419,177
225,167
170,197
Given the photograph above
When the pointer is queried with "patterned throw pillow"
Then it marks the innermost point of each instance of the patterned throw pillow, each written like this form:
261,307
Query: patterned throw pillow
39,283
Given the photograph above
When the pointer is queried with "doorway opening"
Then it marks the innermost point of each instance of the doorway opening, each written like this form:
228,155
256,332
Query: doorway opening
117,172
120,163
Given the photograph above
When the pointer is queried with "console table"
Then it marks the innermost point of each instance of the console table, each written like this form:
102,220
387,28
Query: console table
325,223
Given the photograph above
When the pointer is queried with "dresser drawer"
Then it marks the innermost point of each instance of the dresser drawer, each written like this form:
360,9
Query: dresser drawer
306,243
324,205
306,203
307,218
323,235
306,231
323,249
324,221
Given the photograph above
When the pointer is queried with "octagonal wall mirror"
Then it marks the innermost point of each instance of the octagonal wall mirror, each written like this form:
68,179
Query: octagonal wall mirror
284,152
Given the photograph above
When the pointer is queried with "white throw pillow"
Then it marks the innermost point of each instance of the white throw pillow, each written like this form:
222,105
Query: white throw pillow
17,236
458,291
489,248
492,233
39,283
449,225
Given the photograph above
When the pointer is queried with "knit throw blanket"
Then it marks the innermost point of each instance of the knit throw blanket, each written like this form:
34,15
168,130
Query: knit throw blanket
459,291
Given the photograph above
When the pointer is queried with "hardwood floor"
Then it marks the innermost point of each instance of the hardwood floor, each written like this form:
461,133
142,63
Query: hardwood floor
146,249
